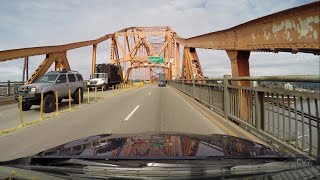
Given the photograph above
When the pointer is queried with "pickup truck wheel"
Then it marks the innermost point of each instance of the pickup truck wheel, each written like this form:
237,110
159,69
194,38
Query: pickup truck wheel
76,96
25,106
48,103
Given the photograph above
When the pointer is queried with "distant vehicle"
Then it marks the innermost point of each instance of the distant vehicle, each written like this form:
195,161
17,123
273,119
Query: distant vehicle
162,80
106,75
161,83
51,82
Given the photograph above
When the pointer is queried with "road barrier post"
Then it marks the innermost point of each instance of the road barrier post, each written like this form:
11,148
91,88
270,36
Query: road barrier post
226,96
95,94
8,88
88,95
79,97
69,99
102,93
57,103
20,105
41,106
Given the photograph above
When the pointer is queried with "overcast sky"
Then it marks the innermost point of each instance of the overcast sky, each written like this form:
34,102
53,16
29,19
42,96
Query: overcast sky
47,22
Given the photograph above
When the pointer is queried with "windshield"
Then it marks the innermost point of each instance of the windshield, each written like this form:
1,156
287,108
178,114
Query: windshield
216,81
99,75
48,78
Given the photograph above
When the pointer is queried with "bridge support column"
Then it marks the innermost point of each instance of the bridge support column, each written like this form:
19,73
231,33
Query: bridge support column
94,55
240,67
25,74
177,62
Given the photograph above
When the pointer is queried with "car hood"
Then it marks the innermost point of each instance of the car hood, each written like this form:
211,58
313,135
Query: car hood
163,146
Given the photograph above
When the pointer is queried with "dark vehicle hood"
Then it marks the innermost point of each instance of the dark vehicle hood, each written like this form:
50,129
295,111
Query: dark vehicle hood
158,146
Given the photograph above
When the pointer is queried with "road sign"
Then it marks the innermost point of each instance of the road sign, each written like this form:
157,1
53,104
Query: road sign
156,59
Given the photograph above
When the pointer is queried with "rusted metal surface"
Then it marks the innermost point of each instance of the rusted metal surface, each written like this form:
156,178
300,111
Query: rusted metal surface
25,52
293,30
240,65
137,44
60,60
191,68
94,55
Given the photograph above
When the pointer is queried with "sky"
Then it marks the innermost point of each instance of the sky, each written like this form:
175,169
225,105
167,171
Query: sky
45,22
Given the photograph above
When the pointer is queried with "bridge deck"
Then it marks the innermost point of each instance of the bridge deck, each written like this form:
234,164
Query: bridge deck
148,109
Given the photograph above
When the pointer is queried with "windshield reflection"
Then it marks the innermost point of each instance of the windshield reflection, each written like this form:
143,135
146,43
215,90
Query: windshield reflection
160,146
49,78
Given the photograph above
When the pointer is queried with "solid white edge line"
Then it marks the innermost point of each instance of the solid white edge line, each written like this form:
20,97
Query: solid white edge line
149,93
128,117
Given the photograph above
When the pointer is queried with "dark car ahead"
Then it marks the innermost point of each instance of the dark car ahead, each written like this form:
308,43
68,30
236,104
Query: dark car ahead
161,83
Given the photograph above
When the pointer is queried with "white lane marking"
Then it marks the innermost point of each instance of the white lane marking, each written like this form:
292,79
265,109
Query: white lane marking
150,90
128,117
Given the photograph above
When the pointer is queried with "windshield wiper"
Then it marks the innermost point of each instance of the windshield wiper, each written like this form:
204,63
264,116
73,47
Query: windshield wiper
84,163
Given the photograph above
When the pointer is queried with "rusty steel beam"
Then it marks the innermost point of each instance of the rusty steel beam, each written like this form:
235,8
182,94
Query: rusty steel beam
94,58
25,52
142,45
61,62
292,30
149,66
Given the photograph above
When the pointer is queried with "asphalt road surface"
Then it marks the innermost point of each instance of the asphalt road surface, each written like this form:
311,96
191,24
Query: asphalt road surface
149,109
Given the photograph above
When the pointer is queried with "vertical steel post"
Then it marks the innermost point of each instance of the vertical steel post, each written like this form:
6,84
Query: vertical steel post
259,109
8,88
95,94
226,96
102,93
94,54
88,95
194,89
79,97
20,105
57,103
69,99
41,106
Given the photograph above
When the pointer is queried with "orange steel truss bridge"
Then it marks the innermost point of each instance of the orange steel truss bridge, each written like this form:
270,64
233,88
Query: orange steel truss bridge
293,30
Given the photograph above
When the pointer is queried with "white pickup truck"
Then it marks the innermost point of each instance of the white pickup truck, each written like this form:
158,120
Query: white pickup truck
98,80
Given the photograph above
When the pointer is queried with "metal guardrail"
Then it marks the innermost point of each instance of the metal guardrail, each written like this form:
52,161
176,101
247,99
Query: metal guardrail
287,119
9,88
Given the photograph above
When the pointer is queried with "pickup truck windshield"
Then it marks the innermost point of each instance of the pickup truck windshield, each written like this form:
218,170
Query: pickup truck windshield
50,78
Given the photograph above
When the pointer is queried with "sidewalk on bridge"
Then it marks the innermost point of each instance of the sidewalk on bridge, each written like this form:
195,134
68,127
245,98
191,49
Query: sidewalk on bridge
227,126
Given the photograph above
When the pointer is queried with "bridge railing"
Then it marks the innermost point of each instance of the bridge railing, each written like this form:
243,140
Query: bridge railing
9,88
287,119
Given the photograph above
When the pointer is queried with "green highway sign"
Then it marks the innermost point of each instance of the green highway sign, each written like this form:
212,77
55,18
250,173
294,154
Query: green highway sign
156,59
